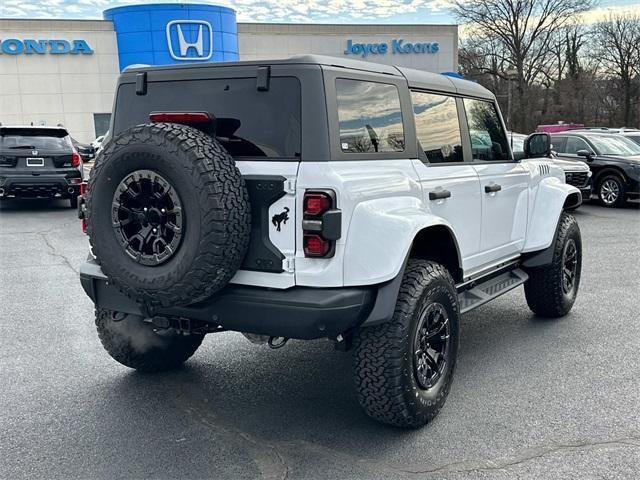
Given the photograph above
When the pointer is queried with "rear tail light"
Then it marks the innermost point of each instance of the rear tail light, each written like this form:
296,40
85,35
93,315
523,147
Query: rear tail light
316,203
321,223
315,245
75,159
83,188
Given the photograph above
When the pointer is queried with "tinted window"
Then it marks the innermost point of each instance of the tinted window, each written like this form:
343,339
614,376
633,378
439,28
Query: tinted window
370,117
574,144
488,139
558,144
614,145
437,127
634,138
249,123
34,138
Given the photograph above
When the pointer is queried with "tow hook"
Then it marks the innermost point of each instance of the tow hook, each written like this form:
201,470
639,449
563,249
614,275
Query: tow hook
277,342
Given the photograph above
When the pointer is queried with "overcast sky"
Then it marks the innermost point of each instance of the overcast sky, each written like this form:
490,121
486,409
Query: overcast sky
320,11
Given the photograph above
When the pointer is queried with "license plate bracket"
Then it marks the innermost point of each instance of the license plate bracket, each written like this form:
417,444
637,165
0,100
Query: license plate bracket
35,162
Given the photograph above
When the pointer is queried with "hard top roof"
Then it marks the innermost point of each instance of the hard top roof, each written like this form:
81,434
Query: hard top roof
415,78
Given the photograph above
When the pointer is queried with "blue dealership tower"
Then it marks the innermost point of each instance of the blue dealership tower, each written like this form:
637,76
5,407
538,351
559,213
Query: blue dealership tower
174,33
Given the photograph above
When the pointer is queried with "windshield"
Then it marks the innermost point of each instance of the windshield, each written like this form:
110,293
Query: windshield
614,145
34,139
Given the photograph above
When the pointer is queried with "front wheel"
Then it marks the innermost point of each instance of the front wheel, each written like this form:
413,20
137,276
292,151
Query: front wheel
404,368
552,289
134,343
612,191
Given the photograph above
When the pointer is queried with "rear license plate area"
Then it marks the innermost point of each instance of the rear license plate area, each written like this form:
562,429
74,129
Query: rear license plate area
35,162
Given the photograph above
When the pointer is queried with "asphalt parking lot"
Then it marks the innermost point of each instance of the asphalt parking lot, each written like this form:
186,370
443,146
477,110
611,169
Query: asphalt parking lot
532,398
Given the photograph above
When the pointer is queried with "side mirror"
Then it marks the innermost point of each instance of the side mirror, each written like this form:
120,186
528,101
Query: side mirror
537,145
585,153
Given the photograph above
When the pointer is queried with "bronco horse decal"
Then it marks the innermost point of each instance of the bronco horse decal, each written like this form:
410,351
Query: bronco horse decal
280,218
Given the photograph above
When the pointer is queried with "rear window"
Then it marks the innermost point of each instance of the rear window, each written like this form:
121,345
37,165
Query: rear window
370,117
34,139
249,123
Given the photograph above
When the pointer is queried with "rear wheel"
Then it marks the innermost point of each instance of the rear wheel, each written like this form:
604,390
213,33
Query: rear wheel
552,289
135,344
404,368
612,191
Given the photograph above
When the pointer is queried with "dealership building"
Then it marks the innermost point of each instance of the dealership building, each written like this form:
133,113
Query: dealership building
64,71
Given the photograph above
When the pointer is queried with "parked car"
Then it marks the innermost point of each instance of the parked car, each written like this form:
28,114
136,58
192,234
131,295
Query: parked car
86,151
370,217
97,142
613,159
39,162
576,173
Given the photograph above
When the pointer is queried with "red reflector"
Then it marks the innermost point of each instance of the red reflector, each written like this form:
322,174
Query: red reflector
83,188
75,159
316,203
180,117
315,246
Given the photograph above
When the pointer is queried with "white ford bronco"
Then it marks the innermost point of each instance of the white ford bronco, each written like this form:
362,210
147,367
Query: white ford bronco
317,197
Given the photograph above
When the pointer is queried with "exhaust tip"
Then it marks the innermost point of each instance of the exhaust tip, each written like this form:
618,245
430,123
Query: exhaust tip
70,190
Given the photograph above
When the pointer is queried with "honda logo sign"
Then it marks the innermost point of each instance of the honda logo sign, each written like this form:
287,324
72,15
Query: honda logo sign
190,40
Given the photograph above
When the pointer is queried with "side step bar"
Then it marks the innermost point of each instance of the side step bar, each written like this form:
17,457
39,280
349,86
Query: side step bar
490,289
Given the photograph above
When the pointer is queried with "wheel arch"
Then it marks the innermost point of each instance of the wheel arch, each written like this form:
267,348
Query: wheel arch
439,244
608,170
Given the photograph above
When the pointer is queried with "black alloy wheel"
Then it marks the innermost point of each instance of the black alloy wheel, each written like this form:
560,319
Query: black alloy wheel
147,217
431,346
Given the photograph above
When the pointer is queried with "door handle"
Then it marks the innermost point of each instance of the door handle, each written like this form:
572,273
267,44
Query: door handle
439,194
494,187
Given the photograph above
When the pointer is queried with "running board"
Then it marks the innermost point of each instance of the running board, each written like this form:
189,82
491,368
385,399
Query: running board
490,289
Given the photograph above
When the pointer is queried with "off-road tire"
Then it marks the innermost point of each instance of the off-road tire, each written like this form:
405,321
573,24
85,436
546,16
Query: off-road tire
215,208
73,201
384,357
622,191
133,343
544,288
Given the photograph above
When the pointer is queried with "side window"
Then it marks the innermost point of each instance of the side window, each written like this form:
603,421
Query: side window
488,139
437,127
370,117
559,144
574,144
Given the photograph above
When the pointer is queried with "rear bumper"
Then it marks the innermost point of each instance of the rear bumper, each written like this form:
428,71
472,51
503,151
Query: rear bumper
299,312
41,185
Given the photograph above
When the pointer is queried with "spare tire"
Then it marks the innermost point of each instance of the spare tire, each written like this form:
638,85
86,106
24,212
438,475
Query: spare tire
168,214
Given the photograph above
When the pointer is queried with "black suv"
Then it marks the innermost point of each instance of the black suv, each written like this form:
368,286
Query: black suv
39,162
613,159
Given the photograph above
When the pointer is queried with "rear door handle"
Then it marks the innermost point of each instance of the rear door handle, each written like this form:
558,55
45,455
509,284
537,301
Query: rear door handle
494,187
439,194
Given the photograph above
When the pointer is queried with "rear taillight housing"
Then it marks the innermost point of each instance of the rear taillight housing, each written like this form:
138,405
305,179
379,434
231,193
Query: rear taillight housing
75,159
321,223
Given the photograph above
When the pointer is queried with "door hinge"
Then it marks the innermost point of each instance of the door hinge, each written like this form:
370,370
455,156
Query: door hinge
290,186
289,264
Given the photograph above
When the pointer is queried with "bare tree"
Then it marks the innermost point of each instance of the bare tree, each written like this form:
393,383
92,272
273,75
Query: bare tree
524,31
617,42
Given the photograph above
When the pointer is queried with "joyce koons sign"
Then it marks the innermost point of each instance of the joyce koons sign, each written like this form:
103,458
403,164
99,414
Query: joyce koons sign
395,46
